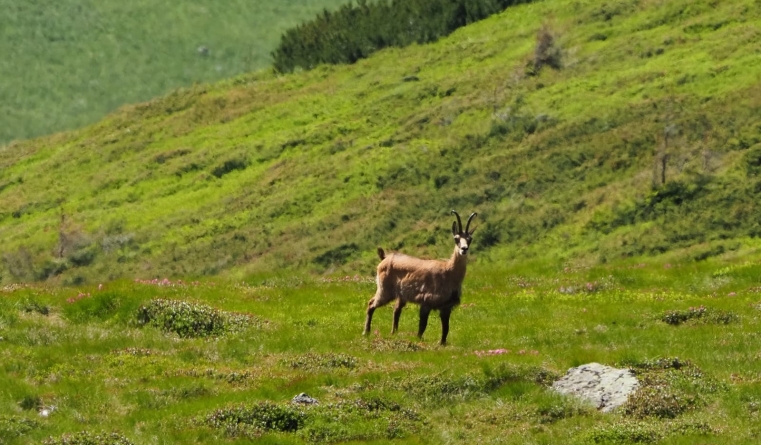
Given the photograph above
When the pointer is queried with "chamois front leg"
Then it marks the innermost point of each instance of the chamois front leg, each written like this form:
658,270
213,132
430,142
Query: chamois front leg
444,313
397,313
369,318
424,312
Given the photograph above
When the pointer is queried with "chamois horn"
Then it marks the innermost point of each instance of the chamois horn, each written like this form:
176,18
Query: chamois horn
459,223
467,226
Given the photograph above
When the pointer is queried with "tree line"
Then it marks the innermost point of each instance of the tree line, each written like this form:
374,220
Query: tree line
355,31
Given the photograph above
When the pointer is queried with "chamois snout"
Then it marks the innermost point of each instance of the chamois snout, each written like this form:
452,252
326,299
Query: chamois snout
462,243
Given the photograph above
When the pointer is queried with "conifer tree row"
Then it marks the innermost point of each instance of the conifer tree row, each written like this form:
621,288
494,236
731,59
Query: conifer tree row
355,31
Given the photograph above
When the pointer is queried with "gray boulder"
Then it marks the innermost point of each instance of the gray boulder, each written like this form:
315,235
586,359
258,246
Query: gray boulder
304,399
605,387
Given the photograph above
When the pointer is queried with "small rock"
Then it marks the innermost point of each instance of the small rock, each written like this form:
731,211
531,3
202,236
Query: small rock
606,387
304,399
45,412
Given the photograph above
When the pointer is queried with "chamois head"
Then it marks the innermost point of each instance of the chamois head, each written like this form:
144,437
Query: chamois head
462,239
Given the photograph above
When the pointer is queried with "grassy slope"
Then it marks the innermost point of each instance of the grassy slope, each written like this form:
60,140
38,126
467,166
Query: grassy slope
67,63
341,159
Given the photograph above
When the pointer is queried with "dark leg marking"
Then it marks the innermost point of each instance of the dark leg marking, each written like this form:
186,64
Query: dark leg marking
369,319
445,313
397,313
424,312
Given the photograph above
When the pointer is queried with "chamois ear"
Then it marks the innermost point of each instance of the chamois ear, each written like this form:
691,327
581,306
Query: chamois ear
454,228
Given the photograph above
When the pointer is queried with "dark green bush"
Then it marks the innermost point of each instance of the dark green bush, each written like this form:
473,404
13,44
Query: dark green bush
364,419
311,361
85,308
558,411
89,438
669,387
699,314
626,432
437,388
629,431
353,32
660,402
83,256
360,419
14,426
31,305
30,403
191,319
51,268
262,416
337,256
229,166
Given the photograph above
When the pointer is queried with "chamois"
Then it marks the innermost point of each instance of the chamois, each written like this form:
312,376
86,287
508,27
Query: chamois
432,284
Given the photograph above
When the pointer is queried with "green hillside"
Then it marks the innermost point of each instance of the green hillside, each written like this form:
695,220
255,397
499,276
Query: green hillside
68,63
311,171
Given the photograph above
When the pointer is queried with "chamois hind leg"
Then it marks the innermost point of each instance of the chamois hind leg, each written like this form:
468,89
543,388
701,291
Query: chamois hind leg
424,312
397,313
444,313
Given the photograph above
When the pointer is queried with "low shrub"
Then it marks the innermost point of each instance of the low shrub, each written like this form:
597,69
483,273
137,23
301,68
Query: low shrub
437,388
101,306
546,53
384,345
15,426
29,403
658,401
229,166
252,420
311,361
360,419
626,432
669,387
192,319
29,305
629,431
89,438
363,419
699,314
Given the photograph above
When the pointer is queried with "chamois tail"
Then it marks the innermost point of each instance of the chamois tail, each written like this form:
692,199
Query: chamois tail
381,253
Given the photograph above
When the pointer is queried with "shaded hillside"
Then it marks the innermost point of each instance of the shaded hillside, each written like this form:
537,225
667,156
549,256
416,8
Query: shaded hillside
68,63
313,170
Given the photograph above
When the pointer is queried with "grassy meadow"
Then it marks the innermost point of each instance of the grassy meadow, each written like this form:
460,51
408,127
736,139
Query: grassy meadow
68,63
217,362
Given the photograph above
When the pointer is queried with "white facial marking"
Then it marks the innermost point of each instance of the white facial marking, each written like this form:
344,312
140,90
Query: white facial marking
463,245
